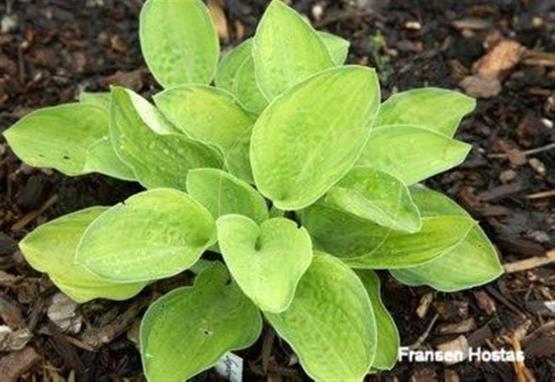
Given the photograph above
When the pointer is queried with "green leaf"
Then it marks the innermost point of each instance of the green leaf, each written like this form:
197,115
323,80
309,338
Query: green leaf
472,263
189,329
102,158
152,235
440,110
412,153
311,136
267,261
51,248
230,64
374,195
337,46
223,194
388,335
340,233
58,136
247,90
179,41
102,99
286,50
144,141
362,244
330,323
214,117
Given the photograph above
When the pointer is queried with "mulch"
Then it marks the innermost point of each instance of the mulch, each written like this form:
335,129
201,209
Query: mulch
500,51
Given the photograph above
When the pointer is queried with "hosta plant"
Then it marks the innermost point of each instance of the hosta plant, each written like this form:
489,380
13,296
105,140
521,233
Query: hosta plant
284,162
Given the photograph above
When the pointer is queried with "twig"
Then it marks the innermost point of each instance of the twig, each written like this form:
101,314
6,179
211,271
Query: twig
532,262
28,218
541,194
536,150
424,335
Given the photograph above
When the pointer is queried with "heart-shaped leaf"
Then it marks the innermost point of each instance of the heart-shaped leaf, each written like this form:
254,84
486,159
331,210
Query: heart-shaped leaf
58,136
51,248
374,195
267,261
189,329
311,136
179,41
440,110
412,153
223,194
152,235
471,263
145,141
330,323
286,50
212,116
388,335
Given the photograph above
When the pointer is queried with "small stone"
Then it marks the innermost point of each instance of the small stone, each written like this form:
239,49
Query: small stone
537,166
507,175
481,87
9,23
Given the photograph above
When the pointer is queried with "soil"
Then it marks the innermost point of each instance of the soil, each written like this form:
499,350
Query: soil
52,49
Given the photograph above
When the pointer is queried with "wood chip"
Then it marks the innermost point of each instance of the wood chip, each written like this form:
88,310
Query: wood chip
472,23
63,313
530,263
504,56
460,327
485,302
16,363
14,340
219,18
459,344
424,305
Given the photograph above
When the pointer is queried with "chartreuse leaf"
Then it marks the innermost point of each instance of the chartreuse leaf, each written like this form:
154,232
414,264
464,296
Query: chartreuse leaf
330,323
388,335
51,248
143,139
102,158
222,194
226,75
152,235
266,260
212,116
471,263
412,153
58,136
340,233
247,90
440,110
179,41
189,329
363,244
101,99
337,46
236,71
311,136
286,50
374,195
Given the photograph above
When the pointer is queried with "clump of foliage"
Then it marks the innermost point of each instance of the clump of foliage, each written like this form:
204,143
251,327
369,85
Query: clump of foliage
286,125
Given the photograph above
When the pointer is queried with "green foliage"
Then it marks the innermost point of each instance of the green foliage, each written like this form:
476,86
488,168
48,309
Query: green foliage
288,166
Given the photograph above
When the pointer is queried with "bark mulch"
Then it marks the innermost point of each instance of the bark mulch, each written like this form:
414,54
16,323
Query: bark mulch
500,51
